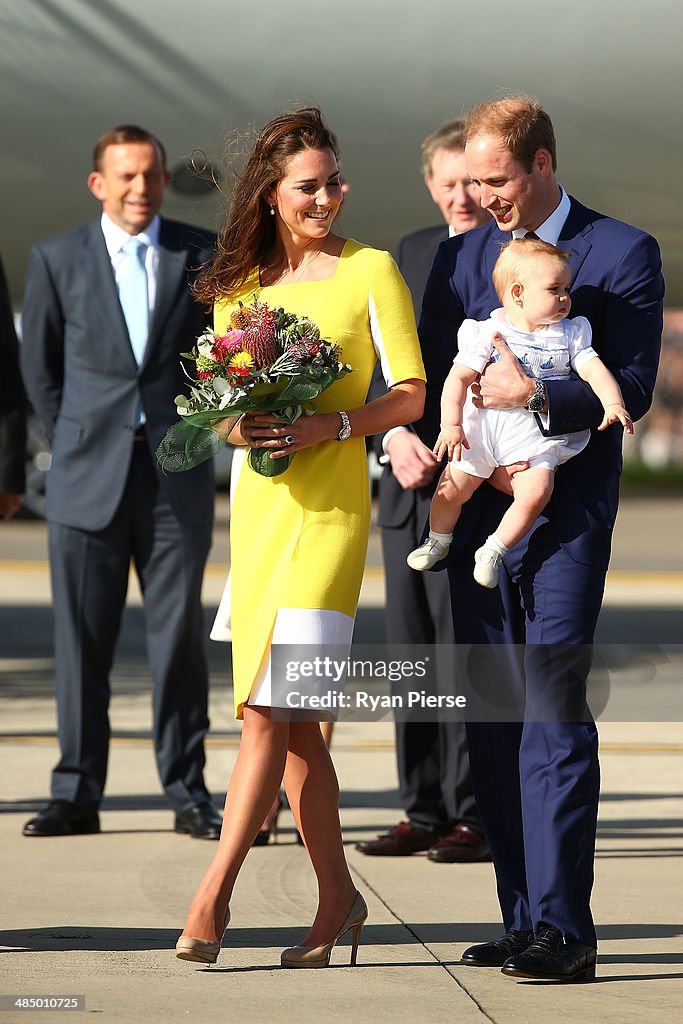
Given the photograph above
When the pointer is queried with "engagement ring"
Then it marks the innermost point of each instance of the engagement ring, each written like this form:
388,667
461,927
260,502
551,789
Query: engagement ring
289,439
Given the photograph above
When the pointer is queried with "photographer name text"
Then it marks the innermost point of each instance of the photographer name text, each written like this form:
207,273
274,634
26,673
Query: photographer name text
333,700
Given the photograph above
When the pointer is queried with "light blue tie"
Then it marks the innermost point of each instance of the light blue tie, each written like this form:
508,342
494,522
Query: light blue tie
134,300
134,297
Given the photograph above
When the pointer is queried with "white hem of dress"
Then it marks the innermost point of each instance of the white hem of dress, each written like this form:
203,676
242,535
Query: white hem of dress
320,628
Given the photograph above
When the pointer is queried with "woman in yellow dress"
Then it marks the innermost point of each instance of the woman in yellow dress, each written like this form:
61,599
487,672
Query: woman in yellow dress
298,540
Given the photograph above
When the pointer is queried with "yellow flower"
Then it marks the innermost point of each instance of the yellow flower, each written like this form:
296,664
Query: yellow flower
241,361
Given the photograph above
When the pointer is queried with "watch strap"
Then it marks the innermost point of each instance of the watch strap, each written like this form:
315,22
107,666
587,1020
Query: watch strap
345,429
537,400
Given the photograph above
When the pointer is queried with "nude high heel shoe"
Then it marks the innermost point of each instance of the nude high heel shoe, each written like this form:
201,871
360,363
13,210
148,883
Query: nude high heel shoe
200,951
319,956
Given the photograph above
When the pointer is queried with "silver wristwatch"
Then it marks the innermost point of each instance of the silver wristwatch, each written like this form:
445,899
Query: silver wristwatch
345,429
537,400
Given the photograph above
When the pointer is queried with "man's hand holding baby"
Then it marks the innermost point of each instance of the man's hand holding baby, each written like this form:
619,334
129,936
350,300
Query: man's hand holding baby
503,384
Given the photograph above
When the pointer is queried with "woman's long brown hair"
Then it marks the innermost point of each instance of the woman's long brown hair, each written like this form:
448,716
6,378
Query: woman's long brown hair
248,233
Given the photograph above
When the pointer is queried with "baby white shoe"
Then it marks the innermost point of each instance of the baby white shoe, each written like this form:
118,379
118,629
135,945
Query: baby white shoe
487,562
428,554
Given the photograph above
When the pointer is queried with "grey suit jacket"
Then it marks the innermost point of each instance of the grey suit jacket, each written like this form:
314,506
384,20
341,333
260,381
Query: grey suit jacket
84,382
414,256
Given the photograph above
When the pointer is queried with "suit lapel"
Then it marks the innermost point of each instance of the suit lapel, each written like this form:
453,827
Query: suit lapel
101,276
575,237
170,278
492,251
431,243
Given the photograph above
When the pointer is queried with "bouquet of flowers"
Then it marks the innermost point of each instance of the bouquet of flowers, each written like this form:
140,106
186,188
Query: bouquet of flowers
268,361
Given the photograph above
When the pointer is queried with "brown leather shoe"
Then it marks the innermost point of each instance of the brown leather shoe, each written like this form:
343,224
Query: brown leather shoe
400,841
463,844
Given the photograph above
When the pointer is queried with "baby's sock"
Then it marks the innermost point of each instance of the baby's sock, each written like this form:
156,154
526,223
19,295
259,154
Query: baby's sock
443,538
496,543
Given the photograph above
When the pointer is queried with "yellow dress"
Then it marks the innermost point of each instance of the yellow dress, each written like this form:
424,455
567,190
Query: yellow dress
298,541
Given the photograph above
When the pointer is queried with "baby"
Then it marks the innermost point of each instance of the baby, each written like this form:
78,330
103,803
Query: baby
532,280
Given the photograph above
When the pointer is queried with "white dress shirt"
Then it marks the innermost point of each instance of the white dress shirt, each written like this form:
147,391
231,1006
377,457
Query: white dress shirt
550,229
115,237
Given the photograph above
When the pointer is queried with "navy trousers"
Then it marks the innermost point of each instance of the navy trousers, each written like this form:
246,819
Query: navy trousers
536,780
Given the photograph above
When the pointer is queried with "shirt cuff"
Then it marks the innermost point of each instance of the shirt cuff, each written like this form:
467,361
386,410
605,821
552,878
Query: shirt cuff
385,459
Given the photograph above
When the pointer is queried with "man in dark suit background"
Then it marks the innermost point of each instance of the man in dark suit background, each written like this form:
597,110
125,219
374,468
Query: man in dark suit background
107,312
12,411
537,781
433,768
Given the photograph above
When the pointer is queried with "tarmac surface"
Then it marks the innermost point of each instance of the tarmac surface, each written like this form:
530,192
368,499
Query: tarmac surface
98,916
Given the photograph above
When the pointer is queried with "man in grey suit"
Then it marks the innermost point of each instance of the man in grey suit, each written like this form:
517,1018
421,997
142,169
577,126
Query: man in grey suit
107,312
433,764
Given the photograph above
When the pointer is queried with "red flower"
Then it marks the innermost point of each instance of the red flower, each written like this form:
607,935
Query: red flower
228,343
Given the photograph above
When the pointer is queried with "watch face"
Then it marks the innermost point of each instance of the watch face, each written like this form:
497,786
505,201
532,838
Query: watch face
537,400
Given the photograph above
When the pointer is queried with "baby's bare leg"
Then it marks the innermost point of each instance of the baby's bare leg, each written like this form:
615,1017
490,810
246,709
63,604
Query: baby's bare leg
453,490
532,490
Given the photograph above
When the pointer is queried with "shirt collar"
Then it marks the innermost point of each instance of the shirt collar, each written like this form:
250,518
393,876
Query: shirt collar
549,331
115,237
549,230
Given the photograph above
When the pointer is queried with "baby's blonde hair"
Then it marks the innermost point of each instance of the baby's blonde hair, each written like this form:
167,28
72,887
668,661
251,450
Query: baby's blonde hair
516,256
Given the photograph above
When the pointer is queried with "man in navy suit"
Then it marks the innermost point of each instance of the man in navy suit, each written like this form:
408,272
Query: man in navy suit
536,781
107,313
435,785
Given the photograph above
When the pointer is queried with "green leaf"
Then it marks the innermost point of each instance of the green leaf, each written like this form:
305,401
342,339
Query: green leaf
301,391
268,388
221,386
260,461
288,413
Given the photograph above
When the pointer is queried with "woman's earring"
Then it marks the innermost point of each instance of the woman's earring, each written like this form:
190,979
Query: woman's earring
272,211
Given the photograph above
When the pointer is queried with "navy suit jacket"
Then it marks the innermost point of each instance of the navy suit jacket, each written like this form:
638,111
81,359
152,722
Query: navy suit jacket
617,284
84,382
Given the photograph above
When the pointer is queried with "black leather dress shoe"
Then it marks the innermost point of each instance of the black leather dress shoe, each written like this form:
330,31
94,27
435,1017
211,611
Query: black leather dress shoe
62,818
464,844
497,952
201,822
550,958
